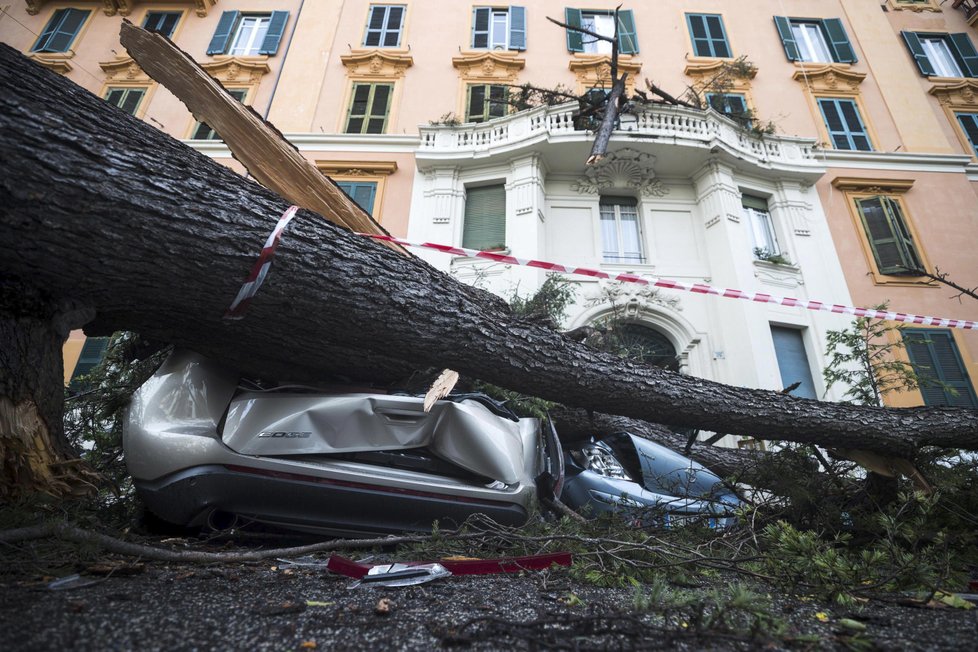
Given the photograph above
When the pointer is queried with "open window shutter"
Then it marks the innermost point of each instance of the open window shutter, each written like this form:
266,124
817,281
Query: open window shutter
736,105
477,103
969,122
787,38
276,27
517,28
967,56
908,251
480,27
888,238
222,35
131,101
627,38
842,50
575,40
917,52
485,218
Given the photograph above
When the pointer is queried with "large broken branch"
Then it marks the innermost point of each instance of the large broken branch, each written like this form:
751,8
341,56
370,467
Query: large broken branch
100,207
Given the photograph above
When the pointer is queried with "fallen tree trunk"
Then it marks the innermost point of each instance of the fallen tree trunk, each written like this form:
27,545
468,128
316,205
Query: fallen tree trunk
105,210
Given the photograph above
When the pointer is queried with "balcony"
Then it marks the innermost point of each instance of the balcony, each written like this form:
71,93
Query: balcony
682,139
970,9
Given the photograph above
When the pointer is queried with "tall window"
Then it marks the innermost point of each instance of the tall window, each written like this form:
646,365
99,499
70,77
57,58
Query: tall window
499,28
844,124
815,40
91,354
603,23
942,55
708,36
384,24
362,192
162,22
969,123
732,105
484,226
620,232
202,130
61,30
937,363
763,239
248,34
889,236
486,101
789,347
127,99
369,108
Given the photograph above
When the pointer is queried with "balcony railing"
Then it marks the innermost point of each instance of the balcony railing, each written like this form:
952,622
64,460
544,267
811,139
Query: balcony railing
970,9
675,124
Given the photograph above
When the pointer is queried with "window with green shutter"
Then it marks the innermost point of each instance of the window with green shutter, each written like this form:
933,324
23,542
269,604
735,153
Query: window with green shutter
369,107
844,124
942,54
486,101
202,130
248,34
889,236
127,99
937,362
61,30
603,23
708,35
162,22
384,24
732,105
816,40
969,124
484,225
499,28
91,354
362,192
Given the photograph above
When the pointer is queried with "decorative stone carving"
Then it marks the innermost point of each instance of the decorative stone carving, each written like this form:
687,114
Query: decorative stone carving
916,7
237,70
126,6
834,78
959,95
873,185
594,71
56,61
124,69
376,64
624,168
489,67
629,298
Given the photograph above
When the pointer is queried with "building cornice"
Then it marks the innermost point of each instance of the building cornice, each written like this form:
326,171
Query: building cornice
310,142
895,161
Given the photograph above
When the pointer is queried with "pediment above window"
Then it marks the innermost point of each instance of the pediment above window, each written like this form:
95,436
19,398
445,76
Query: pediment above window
376,64
873,185
960,95
56,61
829,78
126,6
357,168
493,66
123,69
237,70
703,71
594,70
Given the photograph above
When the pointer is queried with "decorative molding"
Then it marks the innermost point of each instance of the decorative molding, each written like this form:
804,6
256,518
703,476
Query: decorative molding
916,7
377,64
124,69
200,6
237,70
703,69
56,61
629,298
732,217
625,168
873,185
834,78
594,71
357,168
961,94
499,67
786,276
713,221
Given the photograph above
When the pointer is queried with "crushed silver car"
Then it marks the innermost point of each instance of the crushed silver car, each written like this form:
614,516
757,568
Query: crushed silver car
205,447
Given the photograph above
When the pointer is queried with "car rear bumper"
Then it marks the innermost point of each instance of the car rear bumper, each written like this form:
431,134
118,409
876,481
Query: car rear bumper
311,503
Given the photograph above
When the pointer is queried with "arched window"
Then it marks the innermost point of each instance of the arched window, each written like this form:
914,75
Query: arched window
648,345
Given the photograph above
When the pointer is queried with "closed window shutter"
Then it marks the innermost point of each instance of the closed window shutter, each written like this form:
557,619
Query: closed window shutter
938,365
276,28
395,17
222,35
789,348
127,99
485,218
969,122
888,236
481,19
91,354
844,124
924,65
517,28
363,193
842,51
966,54
627,38
708,35
575,40
718,36
787,38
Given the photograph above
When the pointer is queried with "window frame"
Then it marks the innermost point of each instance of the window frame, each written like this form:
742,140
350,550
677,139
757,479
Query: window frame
495,187
742,117
833,37
368,116
963,130
359,171
710,39
137,110
816,385
67,50
761,225
385,30
955,45
488,102
942,382
224,40
847,133
816,48
179,13
620,255
627,31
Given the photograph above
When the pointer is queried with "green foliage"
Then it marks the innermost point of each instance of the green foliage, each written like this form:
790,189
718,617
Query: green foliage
446,120
771,257
549,302
862,358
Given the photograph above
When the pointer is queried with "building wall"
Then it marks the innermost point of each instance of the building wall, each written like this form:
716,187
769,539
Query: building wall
920,155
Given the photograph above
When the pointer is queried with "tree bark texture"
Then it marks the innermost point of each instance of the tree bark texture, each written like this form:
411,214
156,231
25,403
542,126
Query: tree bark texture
104,209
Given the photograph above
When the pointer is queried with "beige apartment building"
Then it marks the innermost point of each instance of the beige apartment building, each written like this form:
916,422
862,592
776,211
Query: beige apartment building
869,179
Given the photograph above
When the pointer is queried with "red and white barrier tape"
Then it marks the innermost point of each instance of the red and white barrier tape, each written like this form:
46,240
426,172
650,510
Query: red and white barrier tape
698,288
260,269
